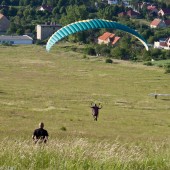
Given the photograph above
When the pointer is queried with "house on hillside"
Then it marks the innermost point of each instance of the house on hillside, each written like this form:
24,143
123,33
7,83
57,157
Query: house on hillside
164,12
15,40
163,44
152,8
126,3
46,30
142,5
4,23
45,8
157,23
112,2
108,38
122,14
130,13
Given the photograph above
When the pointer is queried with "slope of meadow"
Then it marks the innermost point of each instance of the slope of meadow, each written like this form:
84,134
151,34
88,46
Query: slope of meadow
57,88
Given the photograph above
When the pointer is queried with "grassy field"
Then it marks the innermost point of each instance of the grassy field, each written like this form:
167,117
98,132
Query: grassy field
133,130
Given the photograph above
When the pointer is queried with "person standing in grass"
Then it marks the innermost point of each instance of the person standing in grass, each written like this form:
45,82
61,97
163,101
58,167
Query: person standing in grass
95,110
40,135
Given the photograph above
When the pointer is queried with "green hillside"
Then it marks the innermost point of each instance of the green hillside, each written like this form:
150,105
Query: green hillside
58,87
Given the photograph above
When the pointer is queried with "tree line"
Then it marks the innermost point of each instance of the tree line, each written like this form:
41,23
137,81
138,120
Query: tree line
24,16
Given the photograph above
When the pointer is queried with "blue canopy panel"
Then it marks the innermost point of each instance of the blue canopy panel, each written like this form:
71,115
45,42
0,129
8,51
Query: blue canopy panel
90,24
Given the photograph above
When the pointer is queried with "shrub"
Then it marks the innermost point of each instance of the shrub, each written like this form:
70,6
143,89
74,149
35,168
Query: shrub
167,68
160,65
63,128
84,56
40,42
74,48
108,60
90,51
149,63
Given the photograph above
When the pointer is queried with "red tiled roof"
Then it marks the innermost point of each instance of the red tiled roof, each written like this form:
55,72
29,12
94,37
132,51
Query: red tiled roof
106,35
156,22
150,8
164,44
132,13
1,16
116,39
122,14
129,13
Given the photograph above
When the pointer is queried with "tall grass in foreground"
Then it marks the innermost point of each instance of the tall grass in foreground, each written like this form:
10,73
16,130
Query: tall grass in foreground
79,154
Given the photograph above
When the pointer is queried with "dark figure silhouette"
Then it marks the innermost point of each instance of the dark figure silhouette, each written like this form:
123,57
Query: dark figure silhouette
95,110
40,135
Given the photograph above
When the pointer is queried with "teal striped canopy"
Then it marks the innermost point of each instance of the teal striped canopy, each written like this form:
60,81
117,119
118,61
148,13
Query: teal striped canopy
90,24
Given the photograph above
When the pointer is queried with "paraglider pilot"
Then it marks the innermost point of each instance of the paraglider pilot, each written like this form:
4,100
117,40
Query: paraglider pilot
95,110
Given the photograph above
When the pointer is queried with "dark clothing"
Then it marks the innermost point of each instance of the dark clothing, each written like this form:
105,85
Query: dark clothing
40,133
95,111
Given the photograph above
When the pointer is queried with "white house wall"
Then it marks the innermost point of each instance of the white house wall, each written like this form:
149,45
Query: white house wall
45,31
157,45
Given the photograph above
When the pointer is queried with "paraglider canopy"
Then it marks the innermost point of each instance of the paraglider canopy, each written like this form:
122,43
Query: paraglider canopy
90,24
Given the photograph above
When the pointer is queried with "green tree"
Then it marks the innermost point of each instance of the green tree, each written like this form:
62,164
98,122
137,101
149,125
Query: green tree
151,39
14,2
147,33
55,11
20,31
12,11
26,2
167,68
90,50
21,2
26,12
119,53
44,2
108,12
62,3
12,29
74,13
156,54
145,55
20,12
167,54
4,11
103,50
